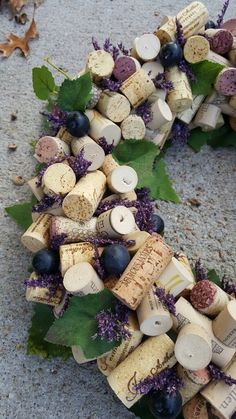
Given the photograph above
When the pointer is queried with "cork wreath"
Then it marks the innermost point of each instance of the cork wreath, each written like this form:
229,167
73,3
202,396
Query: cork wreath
106,287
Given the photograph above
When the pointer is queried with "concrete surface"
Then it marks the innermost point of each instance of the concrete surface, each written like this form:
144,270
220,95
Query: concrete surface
34,388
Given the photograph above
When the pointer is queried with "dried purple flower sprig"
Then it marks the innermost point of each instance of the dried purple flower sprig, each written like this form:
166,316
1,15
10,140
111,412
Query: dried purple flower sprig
160,82
57,240
200,272
217,374
228,285
179,133
112,49
107,148
52,282
167,299
167,380
180,38
47,202
112,325
221,15
110,83
144,110
185,68
56,118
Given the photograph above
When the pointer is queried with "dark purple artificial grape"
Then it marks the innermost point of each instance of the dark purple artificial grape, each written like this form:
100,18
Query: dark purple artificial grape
77,124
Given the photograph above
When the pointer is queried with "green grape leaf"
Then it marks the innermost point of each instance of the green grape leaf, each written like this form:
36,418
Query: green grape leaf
78,325
36,345
206,73
214,277
221,137
75,94
43,82
21,214
142,156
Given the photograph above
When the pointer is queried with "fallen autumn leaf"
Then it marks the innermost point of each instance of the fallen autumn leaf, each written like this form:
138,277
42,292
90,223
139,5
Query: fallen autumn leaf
19,42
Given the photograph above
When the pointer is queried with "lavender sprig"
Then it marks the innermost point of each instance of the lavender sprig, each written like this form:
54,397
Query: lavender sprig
179,133
112,325
144,110
57,240
111,84
122,49
228,285
221,15
97,264
79,164
167,380
104,241
46,202
95,44
112,49
160,82
217,374
179,33
107,148
200,272
52,282
166,299
185,68
56,118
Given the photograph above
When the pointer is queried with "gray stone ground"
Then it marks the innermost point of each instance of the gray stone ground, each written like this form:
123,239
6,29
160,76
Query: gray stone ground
34,388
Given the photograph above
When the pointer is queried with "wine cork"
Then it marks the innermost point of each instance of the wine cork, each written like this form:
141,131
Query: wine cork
92,151
188,115
154,319
137,88
116,222
216,58
226,82
114,106
230,25
64,135
221,40
226,109
232,123
58,179
153,68
208,298
232,53
110,282
131,195
186,313
110,198
199,408
133,127
145,267
182,258
74,231
42,294
232,102
103,127
36,190
224,325
79,356
36,236
149,358
124,68
71,254
221,395
193,381
139,237
180,97
108,363
216,99
192,18
196,49
109,165
122,179
48,148
95,96
81,203
175,278
82,279
207,116
220,121
100,64
147,46
161,114
59,310
163,134
158,94
193,347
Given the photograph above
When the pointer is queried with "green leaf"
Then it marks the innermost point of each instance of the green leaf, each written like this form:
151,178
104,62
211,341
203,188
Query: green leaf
78,325
43,82
206,73
21,214
36,345
75,94
141,155
214,277
221,137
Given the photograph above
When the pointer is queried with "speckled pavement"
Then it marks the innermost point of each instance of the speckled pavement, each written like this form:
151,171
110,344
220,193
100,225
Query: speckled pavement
31,387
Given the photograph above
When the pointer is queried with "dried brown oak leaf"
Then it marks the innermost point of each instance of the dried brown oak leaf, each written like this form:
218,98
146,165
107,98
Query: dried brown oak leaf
17,42
17,5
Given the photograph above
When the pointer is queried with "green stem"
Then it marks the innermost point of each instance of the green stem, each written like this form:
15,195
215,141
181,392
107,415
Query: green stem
48,61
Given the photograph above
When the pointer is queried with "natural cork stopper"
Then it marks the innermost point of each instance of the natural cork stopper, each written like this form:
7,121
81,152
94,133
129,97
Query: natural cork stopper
193,381
208,298
93,152
82,279
71,254
74,231
149,358
48,148
196,49
103,127
138,87
109,165
122,179
133,127
116,222
37,235
58,179
224,325
36,190
100,64
180,97
207,116
145,267
147,46
114,106
42,294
